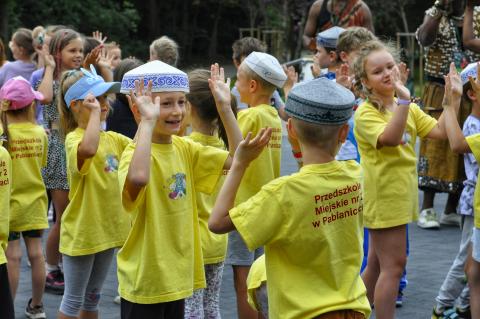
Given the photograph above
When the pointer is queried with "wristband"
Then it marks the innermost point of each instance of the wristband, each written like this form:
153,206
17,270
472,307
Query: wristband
403,102
297,155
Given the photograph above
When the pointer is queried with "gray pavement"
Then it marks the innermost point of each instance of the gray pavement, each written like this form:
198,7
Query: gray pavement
432,252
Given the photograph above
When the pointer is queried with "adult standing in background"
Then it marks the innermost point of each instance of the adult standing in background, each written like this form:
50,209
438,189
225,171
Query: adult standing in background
439,169
324,14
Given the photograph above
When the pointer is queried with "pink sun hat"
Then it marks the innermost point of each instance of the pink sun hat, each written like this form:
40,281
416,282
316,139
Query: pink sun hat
17,93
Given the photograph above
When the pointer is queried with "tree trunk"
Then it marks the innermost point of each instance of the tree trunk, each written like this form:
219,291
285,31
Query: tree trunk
4,21
212,48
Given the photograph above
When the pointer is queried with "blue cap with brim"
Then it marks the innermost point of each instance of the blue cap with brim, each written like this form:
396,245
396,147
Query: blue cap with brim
90,83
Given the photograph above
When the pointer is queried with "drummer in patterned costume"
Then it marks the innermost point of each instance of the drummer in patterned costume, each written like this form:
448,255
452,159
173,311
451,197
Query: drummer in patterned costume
439,169
324,14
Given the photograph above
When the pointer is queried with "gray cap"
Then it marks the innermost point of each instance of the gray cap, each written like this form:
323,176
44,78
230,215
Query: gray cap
267,67
329,37
320,101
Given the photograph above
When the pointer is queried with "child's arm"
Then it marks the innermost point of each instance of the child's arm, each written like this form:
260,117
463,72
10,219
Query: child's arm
89,144
139,170
292,79
46,85
393,132
220,221
451,100
458,143
221,93
469,40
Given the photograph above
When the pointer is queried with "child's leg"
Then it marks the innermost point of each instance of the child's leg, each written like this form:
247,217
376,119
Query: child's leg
194,305
7,309
60,201
77,270
93,292
390,247
240,274
371,272
473,274
14,257
165,310
211,297
33,241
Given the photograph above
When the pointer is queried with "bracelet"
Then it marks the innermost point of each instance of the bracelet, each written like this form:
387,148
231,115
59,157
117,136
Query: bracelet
297,155
403,102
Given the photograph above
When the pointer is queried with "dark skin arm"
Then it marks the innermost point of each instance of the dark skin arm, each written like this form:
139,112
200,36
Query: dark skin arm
427,32
367,18
469,40
311,25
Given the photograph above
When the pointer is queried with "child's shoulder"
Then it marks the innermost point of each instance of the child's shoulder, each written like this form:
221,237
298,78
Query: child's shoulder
471,125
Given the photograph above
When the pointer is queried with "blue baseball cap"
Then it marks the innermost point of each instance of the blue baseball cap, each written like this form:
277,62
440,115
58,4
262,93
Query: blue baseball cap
90,82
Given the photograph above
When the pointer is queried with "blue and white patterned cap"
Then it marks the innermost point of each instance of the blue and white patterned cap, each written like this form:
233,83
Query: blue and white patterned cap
320,101
164,77
267,67
329,37
469,71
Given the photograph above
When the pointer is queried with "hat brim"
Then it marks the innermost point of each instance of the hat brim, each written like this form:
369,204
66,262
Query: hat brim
102,88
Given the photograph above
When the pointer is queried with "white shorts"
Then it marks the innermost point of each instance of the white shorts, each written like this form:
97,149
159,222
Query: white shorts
476,244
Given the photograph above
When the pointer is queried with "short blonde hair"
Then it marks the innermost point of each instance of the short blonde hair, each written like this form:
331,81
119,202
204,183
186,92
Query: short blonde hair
165,50
267,87
353,38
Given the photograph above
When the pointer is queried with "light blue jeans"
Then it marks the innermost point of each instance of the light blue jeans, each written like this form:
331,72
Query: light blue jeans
84,277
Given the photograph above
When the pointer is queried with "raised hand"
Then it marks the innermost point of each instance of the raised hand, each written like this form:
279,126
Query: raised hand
454,88
142,99
93,57
91,102
249,149
47,58
97,35
401,91
292,78
342,76
219,87
404,72
105,59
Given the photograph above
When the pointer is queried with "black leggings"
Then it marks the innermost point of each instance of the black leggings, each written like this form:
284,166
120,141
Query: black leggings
165,310
6,310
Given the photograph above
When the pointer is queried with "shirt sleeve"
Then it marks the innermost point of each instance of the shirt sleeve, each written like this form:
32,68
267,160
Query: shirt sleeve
72,141
129,204
247,123
265,209
423,122
369,124
474,143
208,162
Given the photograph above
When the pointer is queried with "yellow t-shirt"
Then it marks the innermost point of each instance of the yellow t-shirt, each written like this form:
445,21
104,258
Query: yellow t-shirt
474,143
214,246
161,259
267,166
5,188
28,202
311,224
94,220
256,277
391,180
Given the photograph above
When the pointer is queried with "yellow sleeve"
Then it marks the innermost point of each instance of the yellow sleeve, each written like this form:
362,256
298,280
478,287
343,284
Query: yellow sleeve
474,143
369,124
423,122
264,208
247,122
126,159
45,150
72,141
122,141
208,162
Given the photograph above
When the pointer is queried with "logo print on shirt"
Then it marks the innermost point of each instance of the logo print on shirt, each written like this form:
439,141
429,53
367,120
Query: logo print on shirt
177,186
111,164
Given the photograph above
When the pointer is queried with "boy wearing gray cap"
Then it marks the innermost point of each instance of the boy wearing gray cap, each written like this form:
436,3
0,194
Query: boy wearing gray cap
311,222
257,77
326,57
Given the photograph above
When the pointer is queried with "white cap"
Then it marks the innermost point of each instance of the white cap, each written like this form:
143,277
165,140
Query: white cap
469,71
267,67
164,77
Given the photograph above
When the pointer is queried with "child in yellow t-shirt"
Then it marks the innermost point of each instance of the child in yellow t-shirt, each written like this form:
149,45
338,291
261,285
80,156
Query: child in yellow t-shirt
207,129
470,144
257,77
161,262
310,222
27,144
7,310
386,130
94,223
257,287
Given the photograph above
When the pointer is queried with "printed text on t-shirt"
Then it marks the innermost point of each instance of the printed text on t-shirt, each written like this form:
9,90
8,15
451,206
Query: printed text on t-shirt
25,148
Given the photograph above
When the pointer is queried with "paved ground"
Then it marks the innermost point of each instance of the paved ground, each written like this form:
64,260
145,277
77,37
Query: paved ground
432,253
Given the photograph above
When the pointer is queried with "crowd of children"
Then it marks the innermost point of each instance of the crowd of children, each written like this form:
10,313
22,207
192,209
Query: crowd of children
162,164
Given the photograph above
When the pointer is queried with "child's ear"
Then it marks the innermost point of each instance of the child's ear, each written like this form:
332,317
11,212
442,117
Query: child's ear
343,56
343,133
472,95
333,56
254,86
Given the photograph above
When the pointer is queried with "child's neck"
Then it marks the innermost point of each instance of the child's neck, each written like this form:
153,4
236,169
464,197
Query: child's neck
476,109
17,118
25,59
387,99
316,155
161,138
202,127
259,99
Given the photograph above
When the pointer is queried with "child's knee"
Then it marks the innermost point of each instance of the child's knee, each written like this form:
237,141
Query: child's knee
91,300
473,272
71,305
14,254
35,255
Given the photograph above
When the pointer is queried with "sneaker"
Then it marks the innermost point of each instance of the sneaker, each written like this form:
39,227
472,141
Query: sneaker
448,313
36,312
464,313
428,219
117,300
399,301
54,282
452,219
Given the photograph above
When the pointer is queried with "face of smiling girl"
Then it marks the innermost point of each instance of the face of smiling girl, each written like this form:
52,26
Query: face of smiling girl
379,66
72,55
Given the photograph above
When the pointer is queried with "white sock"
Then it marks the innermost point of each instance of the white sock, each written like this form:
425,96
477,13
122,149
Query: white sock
51,268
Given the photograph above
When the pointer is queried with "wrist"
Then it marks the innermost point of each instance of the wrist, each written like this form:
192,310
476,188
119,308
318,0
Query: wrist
238,165
403,101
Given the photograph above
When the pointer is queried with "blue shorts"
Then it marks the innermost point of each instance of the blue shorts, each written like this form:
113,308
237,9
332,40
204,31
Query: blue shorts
238,253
